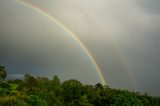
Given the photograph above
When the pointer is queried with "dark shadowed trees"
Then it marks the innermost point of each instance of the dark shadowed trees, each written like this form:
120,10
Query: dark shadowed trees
41,91
3,73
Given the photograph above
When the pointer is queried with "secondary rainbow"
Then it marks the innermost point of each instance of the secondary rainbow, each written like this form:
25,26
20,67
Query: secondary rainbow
71,33
100,26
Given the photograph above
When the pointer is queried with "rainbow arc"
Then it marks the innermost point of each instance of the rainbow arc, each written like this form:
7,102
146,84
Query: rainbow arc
71,33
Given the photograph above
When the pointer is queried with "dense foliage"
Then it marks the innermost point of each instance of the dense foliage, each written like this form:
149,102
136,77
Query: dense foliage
40,91
3,73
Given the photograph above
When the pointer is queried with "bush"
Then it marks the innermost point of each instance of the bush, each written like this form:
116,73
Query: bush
12,101
35,100
3,92
4,85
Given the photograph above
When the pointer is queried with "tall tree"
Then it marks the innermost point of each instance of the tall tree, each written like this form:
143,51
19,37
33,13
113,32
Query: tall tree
72,92
30,83
3,73
56,85
56,81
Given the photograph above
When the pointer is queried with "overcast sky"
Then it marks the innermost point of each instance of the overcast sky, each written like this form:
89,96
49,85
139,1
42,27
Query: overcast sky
122,35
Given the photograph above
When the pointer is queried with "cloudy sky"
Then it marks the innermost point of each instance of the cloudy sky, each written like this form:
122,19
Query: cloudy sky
122,35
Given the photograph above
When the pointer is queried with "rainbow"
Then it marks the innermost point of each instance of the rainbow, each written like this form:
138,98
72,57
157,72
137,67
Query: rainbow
71,33
102,28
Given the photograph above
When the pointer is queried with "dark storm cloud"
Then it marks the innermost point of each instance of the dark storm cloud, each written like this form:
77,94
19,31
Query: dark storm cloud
31,43
141,44
134,25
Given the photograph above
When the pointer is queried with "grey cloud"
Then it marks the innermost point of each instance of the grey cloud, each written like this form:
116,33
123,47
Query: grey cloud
152,6
31,43
16,76
41,47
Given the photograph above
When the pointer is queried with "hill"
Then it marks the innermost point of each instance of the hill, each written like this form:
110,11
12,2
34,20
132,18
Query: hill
40,91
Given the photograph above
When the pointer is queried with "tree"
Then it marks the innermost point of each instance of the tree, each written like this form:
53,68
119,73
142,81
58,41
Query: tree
72,92
56,81
43,83
31,83
56,86
126,99
35,100
3,73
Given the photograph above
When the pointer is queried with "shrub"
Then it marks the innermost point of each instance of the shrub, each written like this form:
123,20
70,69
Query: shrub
3,92
35,100
12,101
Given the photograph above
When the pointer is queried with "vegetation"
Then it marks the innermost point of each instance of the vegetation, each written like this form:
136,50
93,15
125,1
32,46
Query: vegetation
3,73
40,91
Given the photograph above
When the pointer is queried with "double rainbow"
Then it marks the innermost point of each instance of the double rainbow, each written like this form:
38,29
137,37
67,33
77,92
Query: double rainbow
71,33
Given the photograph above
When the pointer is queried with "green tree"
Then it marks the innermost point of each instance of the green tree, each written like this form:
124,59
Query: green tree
145,100
72,92
43,84
56,86
126,99
3,73
34,100
30,83
55,82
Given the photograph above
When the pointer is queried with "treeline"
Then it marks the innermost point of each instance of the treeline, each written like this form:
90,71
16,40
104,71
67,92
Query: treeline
41,91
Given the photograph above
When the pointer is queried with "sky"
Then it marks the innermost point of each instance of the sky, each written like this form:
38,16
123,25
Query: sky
122,35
